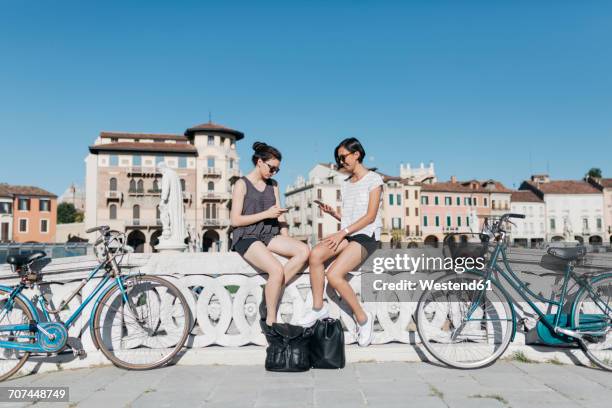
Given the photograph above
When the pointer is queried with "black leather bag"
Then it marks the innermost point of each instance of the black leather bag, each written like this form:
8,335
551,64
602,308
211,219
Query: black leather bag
288,349
327,345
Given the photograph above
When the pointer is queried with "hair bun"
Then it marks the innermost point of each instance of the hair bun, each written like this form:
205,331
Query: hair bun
257,146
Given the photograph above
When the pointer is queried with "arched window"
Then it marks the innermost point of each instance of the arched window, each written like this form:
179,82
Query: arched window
155,185
112,212
132,186
211,186
157,214
112,184
140,188
136,212
183,185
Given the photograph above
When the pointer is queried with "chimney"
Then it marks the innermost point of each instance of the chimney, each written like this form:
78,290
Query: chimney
453,179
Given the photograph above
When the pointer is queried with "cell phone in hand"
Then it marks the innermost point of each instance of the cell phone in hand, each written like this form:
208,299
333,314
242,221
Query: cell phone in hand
319,202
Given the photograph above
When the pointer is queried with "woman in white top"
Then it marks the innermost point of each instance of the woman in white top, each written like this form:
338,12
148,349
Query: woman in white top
358,237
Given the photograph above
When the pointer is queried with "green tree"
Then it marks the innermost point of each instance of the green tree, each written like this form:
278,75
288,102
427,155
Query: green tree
595,172
66,213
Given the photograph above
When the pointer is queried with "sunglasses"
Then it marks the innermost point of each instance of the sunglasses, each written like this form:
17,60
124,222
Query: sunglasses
272,169
342,157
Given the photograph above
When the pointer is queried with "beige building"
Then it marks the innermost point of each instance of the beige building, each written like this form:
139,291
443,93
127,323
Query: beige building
123,183
605,186
306,221
400,211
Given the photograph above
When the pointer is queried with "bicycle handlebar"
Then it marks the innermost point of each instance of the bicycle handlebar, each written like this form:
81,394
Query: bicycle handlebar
101,228
497,226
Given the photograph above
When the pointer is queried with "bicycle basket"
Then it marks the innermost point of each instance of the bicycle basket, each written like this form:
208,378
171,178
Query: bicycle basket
465,245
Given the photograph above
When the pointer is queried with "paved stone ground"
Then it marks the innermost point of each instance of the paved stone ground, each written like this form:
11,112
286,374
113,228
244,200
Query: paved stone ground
505,384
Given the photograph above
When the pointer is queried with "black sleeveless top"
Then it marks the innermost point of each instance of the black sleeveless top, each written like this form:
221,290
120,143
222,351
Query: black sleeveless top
256,201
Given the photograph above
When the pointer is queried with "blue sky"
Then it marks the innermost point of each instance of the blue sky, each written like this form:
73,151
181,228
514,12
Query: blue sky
485,89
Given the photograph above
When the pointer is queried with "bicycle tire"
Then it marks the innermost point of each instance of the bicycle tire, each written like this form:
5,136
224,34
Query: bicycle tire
113,292
26,354
604,363
420,315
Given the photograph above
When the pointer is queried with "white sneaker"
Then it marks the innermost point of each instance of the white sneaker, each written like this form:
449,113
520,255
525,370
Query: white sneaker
365,333
310,318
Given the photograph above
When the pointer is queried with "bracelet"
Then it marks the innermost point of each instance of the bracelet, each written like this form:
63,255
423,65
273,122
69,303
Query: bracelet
347,231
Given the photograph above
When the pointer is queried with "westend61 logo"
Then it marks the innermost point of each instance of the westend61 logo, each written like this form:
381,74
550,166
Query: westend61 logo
426,263
402,277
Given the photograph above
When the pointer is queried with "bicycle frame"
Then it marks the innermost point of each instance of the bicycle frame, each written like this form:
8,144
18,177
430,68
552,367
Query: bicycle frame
16,292
523,290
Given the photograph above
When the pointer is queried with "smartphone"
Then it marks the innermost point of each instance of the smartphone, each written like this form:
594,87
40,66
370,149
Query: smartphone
319,202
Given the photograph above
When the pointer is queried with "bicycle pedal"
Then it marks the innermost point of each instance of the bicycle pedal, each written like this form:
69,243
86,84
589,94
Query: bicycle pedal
79,353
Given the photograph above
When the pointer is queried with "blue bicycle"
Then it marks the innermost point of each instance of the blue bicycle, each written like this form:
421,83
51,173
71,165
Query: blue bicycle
138,321
468,320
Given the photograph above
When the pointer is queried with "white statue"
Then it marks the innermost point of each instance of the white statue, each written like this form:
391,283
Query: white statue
568,231
171,210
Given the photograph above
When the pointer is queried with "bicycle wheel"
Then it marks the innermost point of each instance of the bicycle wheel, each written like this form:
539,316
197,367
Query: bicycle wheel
149,329
442,324
593,318
12,360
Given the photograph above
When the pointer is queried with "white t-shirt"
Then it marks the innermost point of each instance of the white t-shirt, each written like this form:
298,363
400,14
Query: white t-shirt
355,198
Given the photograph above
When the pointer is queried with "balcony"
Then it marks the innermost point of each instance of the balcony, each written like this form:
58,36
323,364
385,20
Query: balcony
154,191
143,171
215,222
136,192
114,195
212,196
135,222
143,223
212,172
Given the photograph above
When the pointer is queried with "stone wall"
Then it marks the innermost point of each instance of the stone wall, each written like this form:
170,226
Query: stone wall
224,293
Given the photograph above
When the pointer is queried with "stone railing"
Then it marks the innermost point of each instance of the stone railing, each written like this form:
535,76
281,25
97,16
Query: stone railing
224,293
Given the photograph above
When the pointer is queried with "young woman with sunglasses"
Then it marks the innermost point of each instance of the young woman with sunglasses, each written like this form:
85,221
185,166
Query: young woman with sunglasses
260,229
360,225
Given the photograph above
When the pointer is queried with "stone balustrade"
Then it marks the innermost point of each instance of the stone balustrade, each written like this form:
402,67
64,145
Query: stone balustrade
224,293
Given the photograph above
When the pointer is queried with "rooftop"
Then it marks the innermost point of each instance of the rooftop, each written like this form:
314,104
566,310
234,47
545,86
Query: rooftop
156,147
471,186
137,136
8,190
213,127
525,196
561,187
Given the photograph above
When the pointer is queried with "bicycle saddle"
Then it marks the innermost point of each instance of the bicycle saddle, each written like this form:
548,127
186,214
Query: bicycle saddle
24,259
568,253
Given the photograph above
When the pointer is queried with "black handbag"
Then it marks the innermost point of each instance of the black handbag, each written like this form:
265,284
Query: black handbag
287,349
327,345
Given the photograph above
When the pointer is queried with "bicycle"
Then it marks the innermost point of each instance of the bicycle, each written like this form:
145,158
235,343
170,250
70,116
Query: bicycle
138,321
472,328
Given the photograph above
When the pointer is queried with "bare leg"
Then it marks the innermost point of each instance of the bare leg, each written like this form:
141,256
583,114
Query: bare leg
261,257
316,266
296,251
347,261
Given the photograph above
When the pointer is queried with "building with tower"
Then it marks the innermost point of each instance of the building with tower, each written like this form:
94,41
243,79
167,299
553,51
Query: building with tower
123,183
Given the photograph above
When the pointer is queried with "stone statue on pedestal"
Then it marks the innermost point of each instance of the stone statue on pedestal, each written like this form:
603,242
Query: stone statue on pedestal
568,231
171,210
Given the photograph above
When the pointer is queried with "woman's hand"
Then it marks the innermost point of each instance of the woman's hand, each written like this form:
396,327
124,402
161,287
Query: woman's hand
332,241
275,211
327,209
